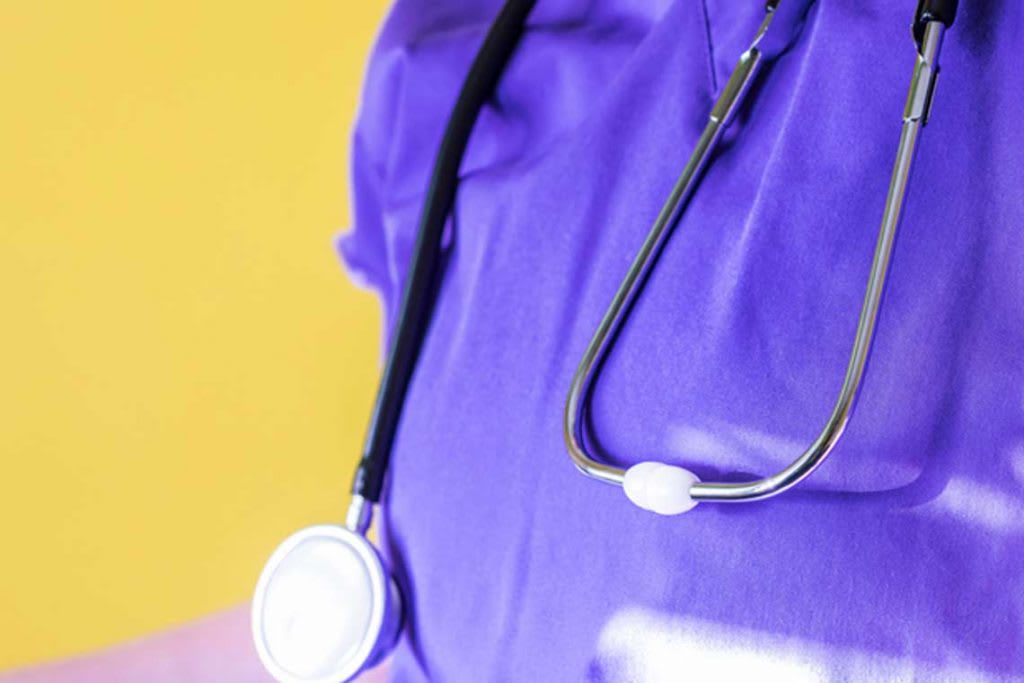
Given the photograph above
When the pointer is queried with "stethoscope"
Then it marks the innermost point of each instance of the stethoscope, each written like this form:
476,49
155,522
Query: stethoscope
326,607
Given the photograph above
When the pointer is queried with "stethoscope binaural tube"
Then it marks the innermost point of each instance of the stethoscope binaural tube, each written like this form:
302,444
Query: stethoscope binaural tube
325,606
669,489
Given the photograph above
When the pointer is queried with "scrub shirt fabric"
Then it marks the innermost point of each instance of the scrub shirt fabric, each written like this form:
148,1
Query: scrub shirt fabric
902,557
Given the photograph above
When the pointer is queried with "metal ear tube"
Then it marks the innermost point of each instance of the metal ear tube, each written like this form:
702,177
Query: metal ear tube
669,489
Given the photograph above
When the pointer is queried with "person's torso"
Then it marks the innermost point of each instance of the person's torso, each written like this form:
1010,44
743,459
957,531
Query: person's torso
901,557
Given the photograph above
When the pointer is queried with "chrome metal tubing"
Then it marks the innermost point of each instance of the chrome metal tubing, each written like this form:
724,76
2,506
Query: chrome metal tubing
721,115
915,116
359,515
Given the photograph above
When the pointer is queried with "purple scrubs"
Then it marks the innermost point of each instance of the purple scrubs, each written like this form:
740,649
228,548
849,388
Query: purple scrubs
902,558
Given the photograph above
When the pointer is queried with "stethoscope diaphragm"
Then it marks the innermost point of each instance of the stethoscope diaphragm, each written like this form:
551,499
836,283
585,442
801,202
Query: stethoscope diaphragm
325,608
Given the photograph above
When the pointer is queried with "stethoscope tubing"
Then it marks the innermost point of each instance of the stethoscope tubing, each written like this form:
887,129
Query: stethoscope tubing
425,267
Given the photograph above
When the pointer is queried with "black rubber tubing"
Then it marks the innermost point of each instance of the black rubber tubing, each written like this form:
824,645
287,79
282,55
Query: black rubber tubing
424,269
933,10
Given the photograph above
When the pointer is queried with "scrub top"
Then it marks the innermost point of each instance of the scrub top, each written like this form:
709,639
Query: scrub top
902,557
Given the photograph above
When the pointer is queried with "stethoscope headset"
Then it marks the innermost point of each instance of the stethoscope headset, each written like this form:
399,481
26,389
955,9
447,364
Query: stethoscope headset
326,607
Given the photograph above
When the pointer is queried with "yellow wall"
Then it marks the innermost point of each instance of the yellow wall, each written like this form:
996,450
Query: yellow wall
185,372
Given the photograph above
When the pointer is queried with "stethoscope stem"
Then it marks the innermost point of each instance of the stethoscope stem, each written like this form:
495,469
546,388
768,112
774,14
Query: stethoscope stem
359,515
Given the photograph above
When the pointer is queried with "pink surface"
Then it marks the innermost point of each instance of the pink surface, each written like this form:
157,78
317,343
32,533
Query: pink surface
215,648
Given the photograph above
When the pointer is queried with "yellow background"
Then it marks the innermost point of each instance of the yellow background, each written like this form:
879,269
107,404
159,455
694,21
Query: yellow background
185,371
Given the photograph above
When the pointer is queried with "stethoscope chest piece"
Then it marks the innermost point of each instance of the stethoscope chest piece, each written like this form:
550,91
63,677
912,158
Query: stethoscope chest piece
325,608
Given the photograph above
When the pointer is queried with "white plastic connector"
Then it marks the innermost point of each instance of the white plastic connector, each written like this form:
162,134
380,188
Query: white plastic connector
660,488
